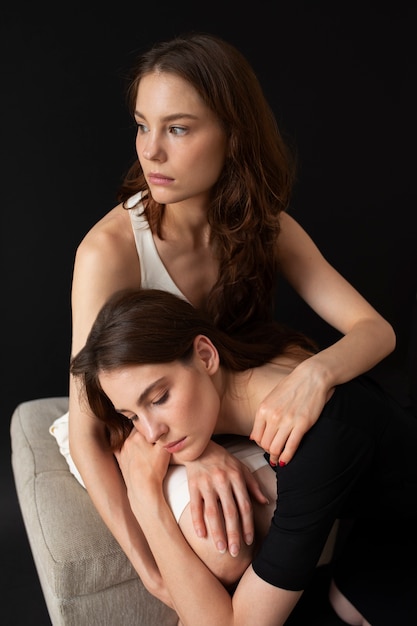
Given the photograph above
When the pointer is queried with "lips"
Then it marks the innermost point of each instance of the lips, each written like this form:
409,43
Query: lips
175,446
158,179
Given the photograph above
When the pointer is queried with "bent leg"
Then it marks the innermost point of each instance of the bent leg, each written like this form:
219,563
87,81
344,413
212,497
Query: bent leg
226,568
345,609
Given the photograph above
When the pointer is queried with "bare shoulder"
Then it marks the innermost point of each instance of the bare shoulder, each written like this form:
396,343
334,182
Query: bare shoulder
291,230
293,240
106,261
109,246
108,234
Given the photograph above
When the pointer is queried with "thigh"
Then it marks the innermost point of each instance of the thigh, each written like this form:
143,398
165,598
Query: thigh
226,568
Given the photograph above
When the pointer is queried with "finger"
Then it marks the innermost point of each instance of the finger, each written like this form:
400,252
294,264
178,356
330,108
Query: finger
238,512
254,488
274,441
197,511
215,523
291,446
258,428
273,460
230,517
246,520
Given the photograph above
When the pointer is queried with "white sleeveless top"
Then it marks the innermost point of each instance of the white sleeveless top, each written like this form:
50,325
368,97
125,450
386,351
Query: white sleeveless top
154,274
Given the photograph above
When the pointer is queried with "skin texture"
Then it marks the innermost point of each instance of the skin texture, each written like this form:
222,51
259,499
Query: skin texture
171,406
180,139
175,409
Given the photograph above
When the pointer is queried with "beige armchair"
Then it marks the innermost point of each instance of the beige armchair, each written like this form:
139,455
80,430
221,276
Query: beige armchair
85,576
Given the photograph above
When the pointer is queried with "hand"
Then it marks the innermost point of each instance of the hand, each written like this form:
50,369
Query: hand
288,412
218,478
142,465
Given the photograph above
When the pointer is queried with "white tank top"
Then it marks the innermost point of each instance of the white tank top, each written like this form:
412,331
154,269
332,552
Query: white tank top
154,274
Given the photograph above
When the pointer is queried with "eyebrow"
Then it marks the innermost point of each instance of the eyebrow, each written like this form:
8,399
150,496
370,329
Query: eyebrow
146,392
171,117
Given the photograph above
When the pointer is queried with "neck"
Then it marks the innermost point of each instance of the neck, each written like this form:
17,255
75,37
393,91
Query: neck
242,393
238,403
187,218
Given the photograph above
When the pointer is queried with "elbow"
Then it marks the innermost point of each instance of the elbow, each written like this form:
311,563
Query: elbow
391,338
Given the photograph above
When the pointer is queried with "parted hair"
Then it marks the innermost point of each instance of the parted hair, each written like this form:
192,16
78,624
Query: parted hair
254,186
149,326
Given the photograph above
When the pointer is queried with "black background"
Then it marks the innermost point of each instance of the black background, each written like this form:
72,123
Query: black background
341,78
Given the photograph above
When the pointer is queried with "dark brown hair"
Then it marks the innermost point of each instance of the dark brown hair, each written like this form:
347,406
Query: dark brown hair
151,326
255,184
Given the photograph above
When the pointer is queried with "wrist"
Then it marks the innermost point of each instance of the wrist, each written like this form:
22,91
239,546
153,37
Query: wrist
316,368
147,502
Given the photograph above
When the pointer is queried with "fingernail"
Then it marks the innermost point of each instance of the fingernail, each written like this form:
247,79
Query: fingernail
221,546
248,540
272,464
282,463
234,550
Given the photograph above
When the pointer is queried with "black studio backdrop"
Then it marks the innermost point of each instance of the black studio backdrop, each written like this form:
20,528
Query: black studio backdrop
340,78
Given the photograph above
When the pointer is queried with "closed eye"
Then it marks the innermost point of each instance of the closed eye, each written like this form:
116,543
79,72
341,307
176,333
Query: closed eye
162,399
131,418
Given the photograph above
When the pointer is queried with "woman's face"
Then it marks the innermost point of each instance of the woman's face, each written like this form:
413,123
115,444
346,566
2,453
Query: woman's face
180,143
171,405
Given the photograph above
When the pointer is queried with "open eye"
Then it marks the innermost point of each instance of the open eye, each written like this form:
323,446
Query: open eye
177,130
142,129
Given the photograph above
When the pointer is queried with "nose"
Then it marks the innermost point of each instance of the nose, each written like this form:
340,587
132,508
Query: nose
152,148
151,429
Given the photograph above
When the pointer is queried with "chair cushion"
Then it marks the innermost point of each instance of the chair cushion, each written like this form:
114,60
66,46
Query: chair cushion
79,553
86,578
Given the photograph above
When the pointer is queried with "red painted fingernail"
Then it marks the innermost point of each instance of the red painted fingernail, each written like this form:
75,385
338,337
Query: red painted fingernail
282,463
272,464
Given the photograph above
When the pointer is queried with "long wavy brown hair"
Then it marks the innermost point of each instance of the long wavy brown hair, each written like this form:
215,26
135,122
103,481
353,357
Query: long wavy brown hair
149,326
256,181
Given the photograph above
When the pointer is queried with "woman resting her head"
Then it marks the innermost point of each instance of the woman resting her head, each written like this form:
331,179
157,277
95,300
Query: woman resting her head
203,213
164,380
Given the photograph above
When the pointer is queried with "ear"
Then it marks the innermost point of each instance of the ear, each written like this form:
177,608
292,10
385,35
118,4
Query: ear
206,352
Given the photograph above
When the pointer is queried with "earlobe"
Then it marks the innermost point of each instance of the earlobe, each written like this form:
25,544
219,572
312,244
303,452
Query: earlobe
206,351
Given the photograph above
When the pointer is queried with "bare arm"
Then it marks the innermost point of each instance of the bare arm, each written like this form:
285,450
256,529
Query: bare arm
294,405
88,445
107,490
197,594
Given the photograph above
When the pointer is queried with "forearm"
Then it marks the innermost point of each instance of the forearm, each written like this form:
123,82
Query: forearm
197,595
105,485
363,347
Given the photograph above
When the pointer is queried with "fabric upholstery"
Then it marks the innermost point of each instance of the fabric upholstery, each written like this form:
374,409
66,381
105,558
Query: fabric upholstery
86,578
